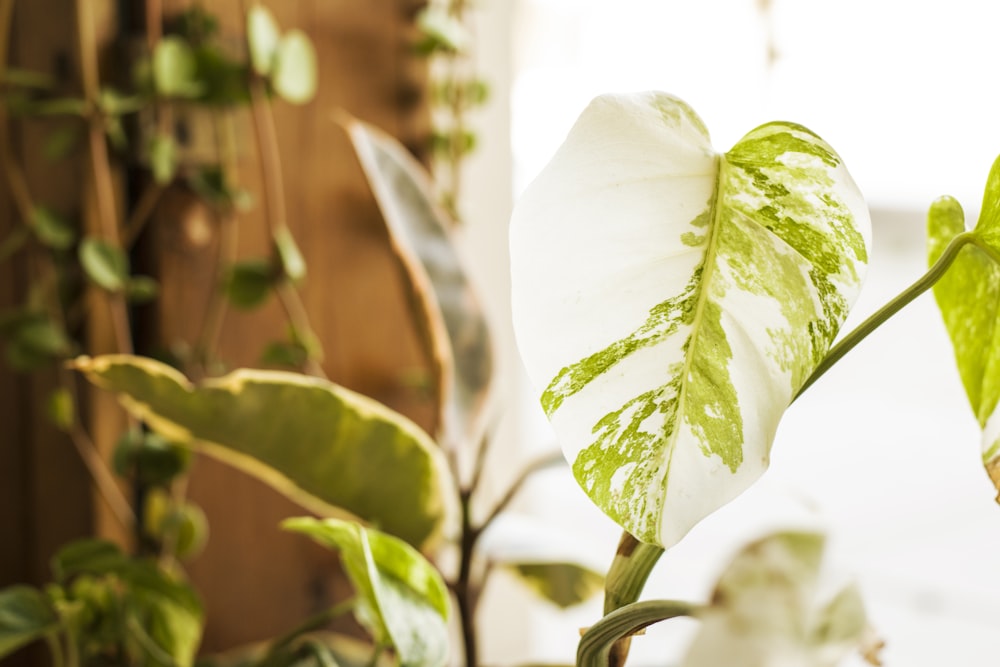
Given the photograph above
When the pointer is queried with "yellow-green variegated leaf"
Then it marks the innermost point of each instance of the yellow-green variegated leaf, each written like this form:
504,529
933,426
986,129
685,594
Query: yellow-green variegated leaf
669,301
330,449
765,612
450,313
968,295
402,599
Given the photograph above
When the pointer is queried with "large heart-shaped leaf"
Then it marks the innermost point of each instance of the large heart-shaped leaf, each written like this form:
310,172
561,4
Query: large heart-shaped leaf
421,234
968,295
402,599
764,611
326,447
669,301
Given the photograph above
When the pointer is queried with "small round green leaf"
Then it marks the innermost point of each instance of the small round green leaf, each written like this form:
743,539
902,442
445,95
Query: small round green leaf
294,77
60,409
249,283
163,158
141,289
263,36
105,264
293,265
35,341
441,32
155,460
183,523
175,70
52,229
285,354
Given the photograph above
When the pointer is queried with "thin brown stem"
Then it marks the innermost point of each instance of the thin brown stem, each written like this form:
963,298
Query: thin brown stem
104,480
541,463
104,192
215,311
44,269
142,213
275,211
15,177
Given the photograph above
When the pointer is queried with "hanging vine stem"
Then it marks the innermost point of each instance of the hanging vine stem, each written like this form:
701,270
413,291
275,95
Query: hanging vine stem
44,269
104,193
275,212
215,311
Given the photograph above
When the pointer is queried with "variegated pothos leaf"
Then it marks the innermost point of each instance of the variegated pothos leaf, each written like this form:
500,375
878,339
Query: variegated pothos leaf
968,295
669,301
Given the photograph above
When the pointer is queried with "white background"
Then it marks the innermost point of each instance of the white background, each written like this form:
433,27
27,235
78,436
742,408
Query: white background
883,453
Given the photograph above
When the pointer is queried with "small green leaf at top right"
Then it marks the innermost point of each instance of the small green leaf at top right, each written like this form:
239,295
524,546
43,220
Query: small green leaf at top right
968,295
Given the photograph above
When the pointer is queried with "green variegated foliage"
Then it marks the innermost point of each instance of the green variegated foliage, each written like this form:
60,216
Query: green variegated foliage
764,611
669,301
451,317
107,608
968,295
318,443
401,598
26,614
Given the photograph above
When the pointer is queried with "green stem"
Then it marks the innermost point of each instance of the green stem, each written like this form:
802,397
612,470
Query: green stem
888,310
55,648
628,572
626,578
598,642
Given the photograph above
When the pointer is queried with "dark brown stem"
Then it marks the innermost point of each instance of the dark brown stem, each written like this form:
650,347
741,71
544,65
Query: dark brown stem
466,591
142,212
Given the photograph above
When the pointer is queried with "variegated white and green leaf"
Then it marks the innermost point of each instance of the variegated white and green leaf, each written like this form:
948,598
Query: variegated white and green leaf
968,295
669,301
318,443
402,599
765,612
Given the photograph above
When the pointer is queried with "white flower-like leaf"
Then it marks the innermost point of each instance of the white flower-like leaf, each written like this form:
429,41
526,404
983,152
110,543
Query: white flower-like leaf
669,301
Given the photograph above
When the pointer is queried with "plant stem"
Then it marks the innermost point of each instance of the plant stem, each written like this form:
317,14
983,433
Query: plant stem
548,460
924,283
596,645
42,265
104,194
215,310
55,648
275,211
142,212
634,561
466,591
